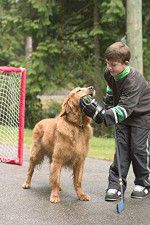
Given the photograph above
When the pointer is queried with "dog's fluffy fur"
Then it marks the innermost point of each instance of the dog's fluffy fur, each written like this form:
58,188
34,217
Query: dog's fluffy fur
65,141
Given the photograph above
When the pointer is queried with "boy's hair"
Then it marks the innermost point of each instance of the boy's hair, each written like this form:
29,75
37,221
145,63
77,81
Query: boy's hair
118,51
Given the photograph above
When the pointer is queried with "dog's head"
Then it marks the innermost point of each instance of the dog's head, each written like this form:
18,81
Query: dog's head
71,106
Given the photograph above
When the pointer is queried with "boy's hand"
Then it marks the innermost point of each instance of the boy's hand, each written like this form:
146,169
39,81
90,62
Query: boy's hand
92,109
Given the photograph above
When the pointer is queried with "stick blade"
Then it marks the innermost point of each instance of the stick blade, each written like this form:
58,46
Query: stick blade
120,206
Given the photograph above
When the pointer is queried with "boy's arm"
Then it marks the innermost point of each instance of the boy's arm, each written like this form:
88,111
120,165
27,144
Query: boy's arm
128,101
108,98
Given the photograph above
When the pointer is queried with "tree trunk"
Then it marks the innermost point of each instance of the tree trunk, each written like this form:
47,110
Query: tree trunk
134,33
97,51
61,31
28,47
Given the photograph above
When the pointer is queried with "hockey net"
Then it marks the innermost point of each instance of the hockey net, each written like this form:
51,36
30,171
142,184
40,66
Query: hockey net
12,107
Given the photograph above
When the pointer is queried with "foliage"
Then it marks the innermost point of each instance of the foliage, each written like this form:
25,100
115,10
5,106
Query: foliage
146,38
52,111
64,35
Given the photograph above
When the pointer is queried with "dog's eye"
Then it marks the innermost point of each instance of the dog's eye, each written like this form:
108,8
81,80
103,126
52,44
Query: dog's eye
78,90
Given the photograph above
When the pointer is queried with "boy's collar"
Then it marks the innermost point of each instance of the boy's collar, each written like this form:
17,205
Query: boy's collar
124,73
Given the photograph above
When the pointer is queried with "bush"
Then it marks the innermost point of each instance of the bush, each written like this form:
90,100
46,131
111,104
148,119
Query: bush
102,130
33,112
53,110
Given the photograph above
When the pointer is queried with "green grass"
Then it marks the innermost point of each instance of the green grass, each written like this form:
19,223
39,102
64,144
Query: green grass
101,147
27,137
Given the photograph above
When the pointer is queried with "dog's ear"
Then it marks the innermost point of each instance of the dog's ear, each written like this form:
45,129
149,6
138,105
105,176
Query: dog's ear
67,106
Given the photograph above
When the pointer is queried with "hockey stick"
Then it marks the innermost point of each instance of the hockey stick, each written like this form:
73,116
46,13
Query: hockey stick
121,204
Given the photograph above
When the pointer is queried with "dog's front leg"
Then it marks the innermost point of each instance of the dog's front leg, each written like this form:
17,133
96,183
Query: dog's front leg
55,181
78,173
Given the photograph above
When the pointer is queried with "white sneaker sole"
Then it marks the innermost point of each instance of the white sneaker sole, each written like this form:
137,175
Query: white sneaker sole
138,197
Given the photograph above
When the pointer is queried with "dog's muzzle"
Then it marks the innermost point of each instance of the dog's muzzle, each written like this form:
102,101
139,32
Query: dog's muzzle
91,90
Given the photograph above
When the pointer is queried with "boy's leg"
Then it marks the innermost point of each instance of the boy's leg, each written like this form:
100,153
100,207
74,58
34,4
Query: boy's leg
140,148
123,133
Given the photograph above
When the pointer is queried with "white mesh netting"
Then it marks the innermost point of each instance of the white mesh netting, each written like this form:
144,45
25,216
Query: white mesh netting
9,115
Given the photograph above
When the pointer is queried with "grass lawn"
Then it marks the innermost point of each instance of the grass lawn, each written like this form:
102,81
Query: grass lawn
27,137
101,147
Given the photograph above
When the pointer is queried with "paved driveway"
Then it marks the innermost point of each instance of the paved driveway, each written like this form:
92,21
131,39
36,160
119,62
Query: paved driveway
32,207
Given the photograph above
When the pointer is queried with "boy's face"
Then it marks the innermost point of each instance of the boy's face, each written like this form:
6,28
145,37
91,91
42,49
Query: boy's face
116,67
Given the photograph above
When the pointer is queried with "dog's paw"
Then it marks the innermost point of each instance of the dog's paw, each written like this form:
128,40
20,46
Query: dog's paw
84,197
54,199
26,185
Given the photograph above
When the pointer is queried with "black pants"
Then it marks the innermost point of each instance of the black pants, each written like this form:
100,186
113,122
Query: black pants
133,147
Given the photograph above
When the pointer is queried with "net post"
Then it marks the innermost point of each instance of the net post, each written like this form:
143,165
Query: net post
18,76
21,115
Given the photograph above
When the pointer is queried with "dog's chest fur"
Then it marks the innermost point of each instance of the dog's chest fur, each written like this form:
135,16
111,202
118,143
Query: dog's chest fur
75,142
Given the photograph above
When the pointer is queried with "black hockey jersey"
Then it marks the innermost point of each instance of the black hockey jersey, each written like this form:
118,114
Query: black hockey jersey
131,98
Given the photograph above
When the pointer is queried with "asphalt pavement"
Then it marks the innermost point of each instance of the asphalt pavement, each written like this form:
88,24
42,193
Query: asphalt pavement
32,207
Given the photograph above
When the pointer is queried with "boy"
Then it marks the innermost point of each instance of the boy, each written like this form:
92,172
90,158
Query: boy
130,93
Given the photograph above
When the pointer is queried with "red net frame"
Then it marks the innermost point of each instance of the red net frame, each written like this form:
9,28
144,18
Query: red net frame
21,73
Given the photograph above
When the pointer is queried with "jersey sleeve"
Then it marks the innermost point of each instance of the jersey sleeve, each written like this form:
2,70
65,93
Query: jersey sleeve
127,103
108,98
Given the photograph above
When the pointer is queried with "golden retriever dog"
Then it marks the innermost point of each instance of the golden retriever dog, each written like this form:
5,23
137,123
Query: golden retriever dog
65,141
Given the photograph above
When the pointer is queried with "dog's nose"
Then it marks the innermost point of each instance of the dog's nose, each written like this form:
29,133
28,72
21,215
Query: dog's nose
91,88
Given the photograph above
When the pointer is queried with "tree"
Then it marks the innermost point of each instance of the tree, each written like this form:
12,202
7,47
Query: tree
69,38
146,37
134,33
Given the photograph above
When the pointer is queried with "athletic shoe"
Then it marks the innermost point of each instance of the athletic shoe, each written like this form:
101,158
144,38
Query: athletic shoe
140,192
112,195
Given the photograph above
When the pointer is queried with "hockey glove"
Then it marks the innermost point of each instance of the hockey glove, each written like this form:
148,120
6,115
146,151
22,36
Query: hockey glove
92,109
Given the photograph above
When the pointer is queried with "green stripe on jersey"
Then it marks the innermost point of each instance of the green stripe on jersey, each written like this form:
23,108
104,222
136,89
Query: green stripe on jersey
109,90
124,73
120,113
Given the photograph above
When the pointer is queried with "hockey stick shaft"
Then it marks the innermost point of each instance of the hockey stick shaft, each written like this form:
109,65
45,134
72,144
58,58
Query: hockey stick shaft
120,205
